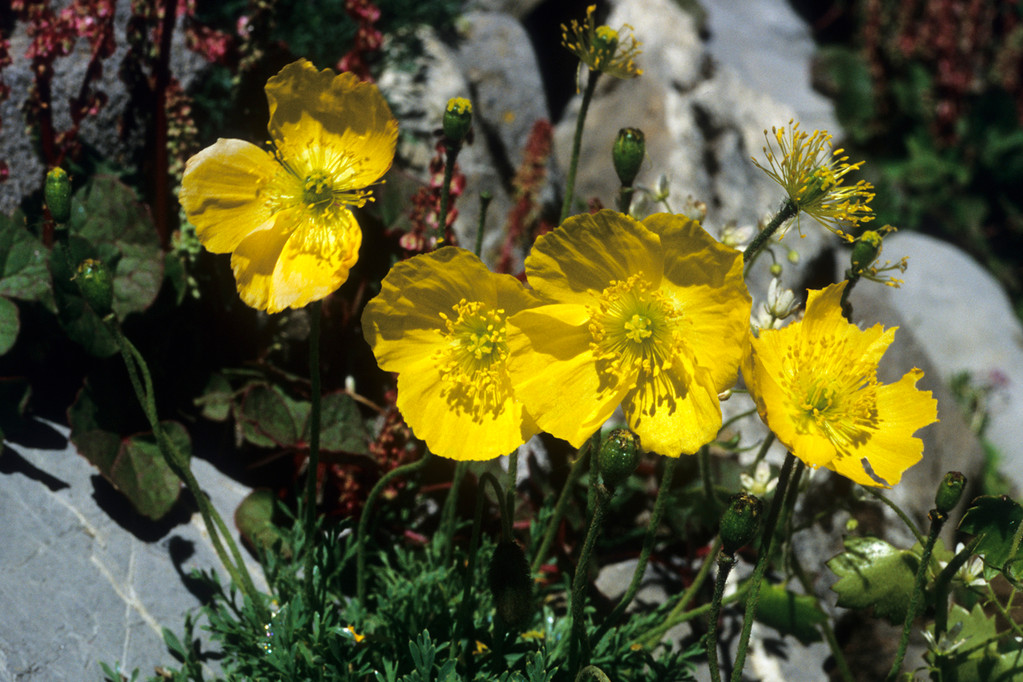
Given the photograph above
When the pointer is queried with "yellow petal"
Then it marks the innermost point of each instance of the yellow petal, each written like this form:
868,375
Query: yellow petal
221,193
553,372
286,267
678,414
705,277
577,261
310,108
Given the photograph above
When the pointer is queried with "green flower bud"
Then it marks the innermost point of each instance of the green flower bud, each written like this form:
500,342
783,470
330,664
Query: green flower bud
457,119
628,153
740,522
950,491
776,269
866,250
618,457
57,193
511,585
97,286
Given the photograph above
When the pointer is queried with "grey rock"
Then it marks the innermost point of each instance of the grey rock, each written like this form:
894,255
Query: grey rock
962,320
78,587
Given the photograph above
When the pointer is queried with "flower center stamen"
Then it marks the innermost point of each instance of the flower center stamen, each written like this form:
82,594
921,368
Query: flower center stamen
472,361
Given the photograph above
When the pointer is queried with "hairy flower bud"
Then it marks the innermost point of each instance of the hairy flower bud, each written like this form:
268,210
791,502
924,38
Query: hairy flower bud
866,250
97,286
618,457
950,491
740,522
457,119
57,193
628,153
510,584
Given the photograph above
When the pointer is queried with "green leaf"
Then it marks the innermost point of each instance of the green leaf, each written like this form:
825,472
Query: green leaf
108,215
23,271
254,518
790,613
341,425
995,520
132,464
216,398
9,325
272,419
972,644
77,319
872,573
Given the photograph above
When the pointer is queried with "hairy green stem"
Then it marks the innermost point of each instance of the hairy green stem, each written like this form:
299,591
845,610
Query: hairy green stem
142,383
788,210
788,485
367,514
942,586
499,500
878,495
447,514
485,199
465,613
644,555
708,484
829,632
559,508
577,142
625,198
651,638
313,462
451,155
725,564
579,653
937,522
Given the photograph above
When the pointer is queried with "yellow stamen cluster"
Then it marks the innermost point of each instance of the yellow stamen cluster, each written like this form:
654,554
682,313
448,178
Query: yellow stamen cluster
812,174
634,330
472,359
602,48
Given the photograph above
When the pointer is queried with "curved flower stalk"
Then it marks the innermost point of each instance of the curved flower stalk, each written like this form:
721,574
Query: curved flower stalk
285,216
815,385
813,176
651,316
440,322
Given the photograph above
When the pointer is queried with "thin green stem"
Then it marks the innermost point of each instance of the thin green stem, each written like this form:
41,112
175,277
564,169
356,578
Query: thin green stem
788,485
499,500
846,307
788,210
313,462
725,564
447,514
651,638
764,447
580,646
660,503
708,484
559,508
142,383
367,514
465,613
625,198
942,585
898,512
485,199
451,155
937,522
513,475
577,142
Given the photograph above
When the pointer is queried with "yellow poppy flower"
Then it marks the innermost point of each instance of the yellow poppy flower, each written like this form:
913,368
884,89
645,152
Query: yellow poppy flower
815,385
650,316
440,322
285,216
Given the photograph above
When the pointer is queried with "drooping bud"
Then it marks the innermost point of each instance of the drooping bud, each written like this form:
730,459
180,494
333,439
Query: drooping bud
866,250
740,522
619,454
57,193
511,585
97,286
950,491
628,153
457,119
